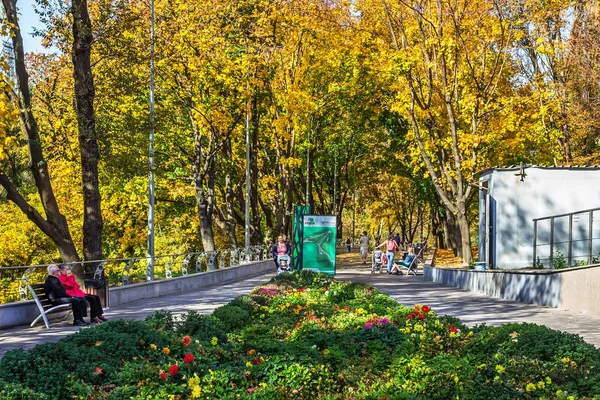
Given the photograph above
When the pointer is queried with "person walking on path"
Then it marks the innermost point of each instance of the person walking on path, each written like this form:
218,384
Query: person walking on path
364,247
390,246
397,239
348,245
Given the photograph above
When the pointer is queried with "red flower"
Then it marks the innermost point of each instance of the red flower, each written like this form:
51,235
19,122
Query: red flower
337,307
422,316
410,316
188,358
173,370
256,361
186,341
426,309
417,309
346,308
297,325
162,375
453,329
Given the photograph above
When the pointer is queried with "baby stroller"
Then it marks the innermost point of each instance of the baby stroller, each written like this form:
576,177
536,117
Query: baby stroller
283,264
377,261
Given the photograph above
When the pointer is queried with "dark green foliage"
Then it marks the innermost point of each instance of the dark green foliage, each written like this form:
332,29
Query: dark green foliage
202,327
231,317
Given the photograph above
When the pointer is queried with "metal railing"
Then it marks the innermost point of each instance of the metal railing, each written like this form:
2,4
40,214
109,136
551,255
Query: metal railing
126,271
566,240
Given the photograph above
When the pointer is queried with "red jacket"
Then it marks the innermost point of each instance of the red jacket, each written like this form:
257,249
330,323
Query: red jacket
71,286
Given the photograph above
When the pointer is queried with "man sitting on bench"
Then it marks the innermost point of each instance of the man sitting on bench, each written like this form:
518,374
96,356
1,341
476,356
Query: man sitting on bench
406,263
57,295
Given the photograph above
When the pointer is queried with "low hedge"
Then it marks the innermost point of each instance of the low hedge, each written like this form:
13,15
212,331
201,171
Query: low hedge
306,336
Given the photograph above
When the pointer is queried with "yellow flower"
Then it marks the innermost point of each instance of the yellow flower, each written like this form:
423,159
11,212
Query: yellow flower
570,398
287,304
196,392
548,380
530,387
214,341
153,346
499,369
262,385
248,364
326,351
541,385
167,351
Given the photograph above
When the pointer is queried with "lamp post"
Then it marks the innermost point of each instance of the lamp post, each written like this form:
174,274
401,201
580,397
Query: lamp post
247,216
150,266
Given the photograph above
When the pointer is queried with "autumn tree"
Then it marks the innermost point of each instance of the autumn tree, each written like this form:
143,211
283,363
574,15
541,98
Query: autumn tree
54,224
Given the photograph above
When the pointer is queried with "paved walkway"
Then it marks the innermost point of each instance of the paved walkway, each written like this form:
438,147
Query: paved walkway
471,308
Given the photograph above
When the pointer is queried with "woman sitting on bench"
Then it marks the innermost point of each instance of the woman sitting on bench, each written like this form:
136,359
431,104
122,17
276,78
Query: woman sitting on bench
406,263
72,288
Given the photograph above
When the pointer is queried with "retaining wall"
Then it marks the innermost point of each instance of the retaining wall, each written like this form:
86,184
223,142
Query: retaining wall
23,312
569,289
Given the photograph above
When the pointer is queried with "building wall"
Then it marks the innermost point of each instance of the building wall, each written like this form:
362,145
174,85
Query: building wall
543,192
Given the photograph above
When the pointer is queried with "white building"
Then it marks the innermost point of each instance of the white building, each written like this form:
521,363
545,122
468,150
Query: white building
512,198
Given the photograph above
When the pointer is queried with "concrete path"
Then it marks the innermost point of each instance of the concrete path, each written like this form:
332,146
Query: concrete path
471,308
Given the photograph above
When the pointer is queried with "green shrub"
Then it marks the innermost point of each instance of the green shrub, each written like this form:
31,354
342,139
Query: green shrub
231,317
202,327
15,391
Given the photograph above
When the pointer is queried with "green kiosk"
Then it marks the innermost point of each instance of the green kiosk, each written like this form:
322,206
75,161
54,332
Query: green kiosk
318,243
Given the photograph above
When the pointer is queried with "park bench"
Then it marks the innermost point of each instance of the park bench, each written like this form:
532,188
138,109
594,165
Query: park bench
43,303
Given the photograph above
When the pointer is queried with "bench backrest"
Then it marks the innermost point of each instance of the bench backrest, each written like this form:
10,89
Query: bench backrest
37,291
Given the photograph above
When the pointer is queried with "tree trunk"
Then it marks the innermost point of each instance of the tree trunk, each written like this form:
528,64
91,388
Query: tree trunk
88,144
204,170
55,225
465,238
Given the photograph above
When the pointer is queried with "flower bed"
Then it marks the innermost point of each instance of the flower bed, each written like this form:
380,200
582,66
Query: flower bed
306,336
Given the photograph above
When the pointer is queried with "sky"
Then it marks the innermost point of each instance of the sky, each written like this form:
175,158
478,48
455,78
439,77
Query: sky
27,20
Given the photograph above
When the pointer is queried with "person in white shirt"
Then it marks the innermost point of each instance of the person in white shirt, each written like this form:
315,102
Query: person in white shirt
364,247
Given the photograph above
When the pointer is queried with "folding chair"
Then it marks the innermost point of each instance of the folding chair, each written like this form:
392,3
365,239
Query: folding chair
411,268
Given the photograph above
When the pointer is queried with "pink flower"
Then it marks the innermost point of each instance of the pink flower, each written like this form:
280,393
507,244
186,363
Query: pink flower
188,358
173,370
368,325
383,321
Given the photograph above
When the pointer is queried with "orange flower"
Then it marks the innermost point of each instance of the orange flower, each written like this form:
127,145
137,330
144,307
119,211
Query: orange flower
167,351
251,352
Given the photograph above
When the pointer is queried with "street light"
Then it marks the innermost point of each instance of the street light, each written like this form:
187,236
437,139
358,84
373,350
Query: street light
150,266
